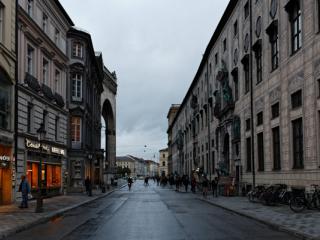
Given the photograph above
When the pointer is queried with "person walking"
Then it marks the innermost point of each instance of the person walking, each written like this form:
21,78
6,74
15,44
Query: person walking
130,182
205,184
214,185
186,182
87,184
24,188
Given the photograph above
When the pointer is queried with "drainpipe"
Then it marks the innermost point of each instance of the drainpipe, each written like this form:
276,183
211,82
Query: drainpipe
251,101
16,91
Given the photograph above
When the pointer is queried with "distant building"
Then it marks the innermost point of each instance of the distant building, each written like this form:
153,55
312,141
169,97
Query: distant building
163,162
152,168
7,96
171,116
137,166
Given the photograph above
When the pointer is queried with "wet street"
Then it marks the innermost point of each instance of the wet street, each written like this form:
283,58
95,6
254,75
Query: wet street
150,212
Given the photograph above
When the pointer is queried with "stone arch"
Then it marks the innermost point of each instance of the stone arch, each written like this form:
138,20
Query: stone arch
108,115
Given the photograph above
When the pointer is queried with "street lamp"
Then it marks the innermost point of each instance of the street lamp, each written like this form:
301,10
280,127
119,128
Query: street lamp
41,134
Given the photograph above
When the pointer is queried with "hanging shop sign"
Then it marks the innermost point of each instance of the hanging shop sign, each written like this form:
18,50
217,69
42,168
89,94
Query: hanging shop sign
58,151
4,161
48,149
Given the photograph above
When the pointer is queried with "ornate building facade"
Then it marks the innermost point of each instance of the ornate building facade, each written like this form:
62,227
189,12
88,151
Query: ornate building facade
86,75
42,93
252,113
7,99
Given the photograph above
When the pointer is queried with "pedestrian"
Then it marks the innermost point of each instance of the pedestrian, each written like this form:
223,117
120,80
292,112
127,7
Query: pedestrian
178,182
214,185
193,184
186,182
205,184
88,186
24,188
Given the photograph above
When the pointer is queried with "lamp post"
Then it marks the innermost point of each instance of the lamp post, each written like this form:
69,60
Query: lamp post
41,134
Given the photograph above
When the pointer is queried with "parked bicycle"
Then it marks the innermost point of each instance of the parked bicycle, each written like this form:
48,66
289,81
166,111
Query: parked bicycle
301,202
275,194
254,194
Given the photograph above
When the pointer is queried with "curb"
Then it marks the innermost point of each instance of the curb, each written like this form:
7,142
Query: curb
52,215
281,228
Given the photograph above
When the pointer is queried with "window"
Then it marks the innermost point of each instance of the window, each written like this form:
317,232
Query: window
5,105
236,85
275,110
45,22
258,55
246,77
30,7
246,10
224,44
294,10
163,155
274,50
1,22
77,50
45,71
260,152
235,28
216,58
57,37
76,86
297,140
296,99
76,129
276,148
56,134
248,125
30,60
57,80
163,164
248,148
272,31
259,118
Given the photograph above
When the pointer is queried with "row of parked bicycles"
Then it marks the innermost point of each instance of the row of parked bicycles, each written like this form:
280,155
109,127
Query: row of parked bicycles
281,194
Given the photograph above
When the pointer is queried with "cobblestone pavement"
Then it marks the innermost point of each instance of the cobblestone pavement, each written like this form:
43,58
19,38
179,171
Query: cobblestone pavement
305,224
13,219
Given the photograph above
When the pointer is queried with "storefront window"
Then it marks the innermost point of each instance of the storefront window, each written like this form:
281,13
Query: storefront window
53,176
32,174
50,175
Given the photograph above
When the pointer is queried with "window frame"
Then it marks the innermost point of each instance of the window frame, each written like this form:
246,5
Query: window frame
260,150
30,7
5,113
76,129
30,60
77,49
45,71
258,57
246,70
76,87
248,155
260,118
296,27
297,144
276,148
44,22
274,113
296,99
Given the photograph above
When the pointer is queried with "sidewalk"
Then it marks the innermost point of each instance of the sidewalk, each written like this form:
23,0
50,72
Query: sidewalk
13,219
305,225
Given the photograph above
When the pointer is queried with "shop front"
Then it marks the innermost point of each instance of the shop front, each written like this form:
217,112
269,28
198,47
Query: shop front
51,159
5,175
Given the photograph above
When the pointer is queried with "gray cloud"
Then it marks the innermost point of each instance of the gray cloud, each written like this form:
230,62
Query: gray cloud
155,47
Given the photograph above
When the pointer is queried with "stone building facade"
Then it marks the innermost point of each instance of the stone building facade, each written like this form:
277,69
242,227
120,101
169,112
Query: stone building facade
252,113
163,162
137,166
7,99
171,117
84,90
42,91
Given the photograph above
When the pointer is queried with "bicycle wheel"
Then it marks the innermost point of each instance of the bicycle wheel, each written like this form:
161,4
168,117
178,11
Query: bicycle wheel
297,204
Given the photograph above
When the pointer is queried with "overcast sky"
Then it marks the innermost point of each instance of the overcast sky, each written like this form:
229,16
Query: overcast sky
155,47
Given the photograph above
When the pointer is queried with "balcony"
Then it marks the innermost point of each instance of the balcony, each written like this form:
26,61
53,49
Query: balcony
32,82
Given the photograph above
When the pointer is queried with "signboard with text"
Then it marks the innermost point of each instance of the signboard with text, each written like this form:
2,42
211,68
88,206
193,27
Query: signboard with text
44,147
